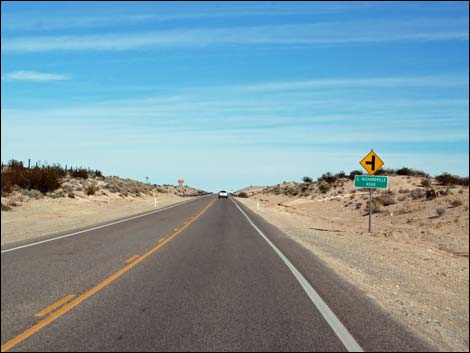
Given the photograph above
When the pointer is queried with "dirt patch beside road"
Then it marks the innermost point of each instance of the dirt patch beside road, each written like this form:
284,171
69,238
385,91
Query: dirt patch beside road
46,216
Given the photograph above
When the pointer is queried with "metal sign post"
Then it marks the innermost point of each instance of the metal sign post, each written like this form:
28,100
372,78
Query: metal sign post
370,210
371,163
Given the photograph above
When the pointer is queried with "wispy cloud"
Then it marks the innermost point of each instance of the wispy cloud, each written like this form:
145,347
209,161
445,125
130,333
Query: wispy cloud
418,81
324,33
64,21
34,76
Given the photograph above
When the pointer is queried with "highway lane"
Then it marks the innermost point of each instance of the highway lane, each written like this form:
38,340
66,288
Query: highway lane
207,282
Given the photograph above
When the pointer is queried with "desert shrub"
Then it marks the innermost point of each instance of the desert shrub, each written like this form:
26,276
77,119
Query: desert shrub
456,203
425,183
79,173
411,172
417,194
44,178
243,195
306,179
71,195
112,188
385,200
303,188
33,194
358,205
328,178
57,195
440,211
402,198
91,189
354,173
324,187
431,194
352,197
341,174
449,180
388,171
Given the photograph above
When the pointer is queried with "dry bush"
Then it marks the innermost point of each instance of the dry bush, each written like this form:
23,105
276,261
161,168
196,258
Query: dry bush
79,173
456,203
91,189
57,195
324,187
44,178
417,194
440,211
450,180
354,173
385,199
431,194
425,183
243,195
33,194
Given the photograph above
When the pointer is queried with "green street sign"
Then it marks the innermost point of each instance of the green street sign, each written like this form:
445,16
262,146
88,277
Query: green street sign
371,182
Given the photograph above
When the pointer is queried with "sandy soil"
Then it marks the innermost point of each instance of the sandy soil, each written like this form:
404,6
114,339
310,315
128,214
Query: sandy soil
44,216
414,263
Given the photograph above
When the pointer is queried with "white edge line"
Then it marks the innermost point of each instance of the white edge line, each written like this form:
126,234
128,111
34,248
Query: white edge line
340,330
101,226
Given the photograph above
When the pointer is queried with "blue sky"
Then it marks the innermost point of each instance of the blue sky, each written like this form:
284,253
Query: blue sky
226,95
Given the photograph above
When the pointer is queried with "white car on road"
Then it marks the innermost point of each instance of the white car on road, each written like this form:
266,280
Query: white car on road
223,194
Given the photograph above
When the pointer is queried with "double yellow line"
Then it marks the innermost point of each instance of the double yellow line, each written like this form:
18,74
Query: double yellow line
43,323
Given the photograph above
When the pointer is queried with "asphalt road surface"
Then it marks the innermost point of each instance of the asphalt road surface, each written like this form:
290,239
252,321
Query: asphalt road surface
206,275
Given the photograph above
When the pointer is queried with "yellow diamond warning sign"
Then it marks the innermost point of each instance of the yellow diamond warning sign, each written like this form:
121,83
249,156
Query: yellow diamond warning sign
372,163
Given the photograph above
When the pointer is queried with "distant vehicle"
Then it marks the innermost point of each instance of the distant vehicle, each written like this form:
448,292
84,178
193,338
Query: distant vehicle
223,194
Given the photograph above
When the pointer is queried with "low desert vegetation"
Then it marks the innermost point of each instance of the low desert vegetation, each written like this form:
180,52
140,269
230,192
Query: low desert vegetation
44,178
20,183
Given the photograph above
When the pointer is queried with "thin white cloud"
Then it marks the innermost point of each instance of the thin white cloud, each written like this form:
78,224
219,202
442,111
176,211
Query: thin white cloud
34,76
64,21
320,34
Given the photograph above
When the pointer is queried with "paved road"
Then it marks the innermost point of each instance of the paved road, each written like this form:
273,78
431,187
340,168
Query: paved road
196,277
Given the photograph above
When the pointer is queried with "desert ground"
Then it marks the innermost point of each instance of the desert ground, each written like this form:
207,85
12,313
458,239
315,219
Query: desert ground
414,263
29,214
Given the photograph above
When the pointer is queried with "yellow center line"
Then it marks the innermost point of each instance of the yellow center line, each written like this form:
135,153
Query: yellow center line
54,306
132,258
43,323
162,239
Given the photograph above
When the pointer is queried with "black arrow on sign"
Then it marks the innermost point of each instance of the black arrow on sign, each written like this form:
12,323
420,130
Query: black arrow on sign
372,163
